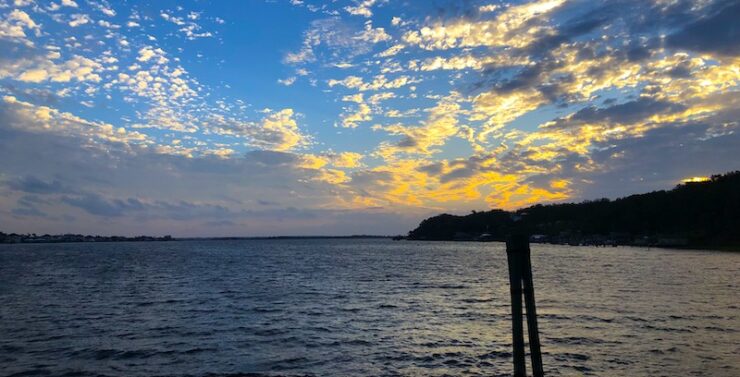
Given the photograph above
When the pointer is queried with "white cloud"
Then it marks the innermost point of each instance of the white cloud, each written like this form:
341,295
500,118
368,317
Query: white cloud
362,8
103,7
391,51
337,39
372,35
488,8
148,53
379,82
287,81
43,119
41,66
277,131
22,3
501,31
13,26
79,19
188,25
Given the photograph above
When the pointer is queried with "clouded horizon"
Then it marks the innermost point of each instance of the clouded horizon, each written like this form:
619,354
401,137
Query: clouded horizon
297,117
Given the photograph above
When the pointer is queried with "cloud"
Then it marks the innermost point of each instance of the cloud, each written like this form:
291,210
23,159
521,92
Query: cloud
625,113
547,65
97,205
347,160
361,8
716,32
34,185
105,203
334,39
103,7
378,82
391,51
468,61
22,60
505,30
148,53
173,194
657,159
14,25
353,116
281,131
28,211
361,114
79,19
287,81
441,124
187,23
77,68
43,119
277,131
372,35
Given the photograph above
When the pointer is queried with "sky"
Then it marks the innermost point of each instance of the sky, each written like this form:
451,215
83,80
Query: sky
290,117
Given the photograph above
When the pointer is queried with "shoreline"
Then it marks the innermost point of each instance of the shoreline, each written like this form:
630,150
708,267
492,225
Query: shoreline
728,249
187,239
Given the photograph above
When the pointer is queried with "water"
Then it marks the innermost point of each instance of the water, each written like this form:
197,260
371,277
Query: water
360,308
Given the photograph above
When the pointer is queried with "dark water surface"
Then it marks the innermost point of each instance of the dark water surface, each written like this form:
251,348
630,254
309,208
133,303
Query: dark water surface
360,308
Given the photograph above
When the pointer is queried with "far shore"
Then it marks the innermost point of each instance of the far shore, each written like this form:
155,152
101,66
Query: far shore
76,238
397,238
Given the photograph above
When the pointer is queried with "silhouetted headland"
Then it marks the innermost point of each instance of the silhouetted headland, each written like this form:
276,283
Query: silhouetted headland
692,215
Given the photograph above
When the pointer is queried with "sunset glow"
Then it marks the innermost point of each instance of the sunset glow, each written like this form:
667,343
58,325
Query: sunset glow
696,180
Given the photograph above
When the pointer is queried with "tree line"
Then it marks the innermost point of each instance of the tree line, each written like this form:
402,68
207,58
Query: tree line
693,214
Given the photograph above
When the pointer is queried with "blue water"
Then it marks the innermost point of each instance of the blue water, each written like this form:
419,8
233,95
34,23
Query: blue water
360,308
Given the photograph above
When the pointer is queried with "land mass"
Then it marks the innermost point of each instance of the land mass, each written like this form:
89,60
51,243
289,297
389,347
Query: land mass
702,214
65,238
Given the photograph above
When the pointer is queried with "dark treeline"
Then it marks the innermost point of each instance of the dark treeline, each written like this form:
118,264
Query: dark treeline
697,214
62,238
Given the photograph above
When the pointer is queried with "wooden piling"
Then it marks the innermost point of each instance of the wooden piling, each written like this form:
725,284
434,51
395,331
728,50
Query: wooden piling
532,330
515,285
520,280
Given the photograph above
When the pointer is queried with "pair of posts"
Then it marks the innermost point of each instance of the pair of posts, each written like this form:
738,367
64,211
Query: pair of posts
520,280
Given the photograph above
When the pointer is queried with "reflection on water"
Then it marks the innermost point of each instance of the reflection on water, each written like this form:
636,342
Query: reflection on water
360,308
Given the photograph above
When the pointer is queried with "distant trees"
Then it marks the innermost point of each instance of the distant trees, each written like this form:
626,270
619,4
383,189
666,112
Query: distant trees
63,238
446,226
701,214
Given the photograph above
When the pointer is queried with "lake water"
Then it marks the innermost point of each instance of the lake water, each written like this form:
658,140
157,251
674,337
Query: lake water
360,308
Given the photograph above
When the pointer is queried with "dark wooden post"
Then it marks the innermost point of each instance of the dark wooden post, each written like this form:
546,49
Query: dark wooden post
520,279
532,330
515,283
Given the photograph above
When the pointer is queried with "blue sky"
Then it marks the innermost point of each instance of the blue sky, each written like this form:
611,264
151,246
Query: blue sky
359,116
